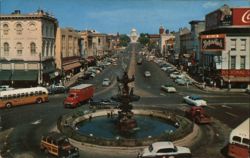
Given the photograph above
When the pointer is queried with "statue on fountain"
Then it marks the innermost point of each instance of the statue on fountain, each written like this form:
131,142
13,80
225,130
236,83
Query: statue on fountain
125,120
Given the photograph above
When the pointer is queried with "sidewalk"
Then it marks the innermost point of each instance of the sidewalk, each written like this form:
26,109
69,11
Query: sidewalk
208,88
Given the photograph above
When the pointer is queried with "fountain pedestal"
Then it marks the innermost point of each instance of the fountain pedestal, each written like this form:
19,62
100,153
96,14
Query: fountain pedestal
125,120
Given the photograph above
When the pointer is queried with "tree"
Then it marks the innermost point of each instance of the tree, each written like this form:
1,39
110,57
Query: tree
123,40
144,39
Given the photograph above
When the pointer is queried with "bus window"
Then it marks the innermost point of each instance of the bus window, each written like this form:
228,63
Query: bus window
14,95
18,95
9,97
237,139
26,94
44,92
22,95
31,93
246,141
40,93
36,92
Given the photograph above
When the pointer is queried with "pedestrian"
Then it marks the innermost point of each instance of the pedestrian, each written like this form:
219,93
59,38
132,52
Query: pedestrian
187,84
214,84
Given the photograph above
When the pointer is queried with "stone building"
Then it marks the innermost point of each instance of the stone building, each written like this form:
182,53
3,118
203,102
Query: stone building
27,48
68,57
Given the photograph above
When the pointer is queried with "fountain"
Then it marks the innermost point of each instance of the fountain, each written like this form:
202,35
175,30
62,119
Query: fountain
126,122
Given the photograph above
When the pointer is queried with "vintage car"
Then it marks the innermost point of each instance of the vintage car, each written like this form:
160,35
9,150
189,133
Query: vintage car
165,149
106,82
147,74
195,100
168,88
58,145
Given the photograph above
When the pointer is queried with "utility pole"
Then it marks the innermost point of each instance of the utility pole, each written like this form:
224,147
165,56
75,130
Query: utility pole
228,73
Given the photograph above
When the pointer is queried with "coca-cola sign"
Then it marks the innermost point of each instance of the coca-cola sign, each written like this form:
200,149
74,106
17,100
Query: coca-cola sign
213,42
241,16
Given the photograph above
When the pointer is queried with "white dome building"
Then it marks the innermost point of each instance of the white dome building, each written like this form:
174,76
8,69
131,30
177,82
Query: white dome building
134,36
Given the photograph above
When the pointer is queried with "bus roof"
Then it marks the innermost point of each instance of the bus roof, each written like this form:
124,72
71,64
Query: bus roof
23,90
81,86
242,130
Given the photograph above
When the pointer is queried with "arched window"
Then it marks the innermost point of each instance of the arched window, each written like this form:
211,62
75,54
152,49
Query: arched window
32,48
19,48
6,48
5,29
19,29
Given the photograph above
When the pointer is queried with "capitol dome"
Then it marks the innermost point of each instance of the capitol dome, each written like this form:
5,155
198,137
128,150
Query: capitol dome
133,35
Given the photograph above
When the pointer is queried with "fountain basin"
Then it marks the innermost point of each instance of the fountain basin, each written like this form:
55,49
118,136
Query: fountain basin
69,125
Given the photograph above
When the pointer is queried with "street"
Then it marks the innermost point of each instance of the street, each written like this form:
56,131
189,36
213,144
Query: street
31,121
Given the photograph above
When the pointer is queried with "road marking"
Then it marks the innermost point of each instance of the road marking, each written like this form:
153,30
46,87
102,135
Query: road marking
233,115
36,122
226,106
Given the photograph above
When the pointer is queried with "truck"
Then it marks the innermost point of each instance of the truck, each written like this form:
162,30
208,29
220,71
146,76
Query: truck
78,95
198,115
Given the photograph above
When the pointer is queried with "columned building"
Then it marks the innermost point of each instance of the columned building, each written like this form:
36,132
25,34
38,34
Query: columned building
225,47
68,57
27,48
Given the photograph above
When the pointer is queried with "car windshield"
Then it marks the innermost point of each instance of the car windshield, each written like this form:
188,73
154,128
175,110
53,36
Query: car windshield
150,148
106,79
71,95
195,97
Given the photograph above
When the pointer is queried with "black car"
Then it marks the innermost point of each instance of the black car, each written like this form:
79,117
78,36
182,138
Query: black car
103,104
57,89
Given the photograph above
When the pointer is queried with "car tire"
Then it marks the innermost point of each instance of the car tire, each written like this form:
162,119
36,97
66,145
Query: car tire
8,105
39,100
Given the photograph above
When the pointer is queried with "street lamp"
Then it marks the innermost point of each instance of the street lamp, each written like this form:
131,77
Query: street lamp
229,84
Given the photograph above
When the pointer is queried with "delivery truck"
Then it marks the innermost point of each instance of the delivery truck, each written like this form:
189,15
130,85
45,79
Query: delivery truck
79,95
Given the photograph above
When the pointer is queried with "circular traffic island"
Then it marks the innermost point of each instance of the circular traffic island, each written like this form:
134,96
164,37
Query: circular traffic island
98,128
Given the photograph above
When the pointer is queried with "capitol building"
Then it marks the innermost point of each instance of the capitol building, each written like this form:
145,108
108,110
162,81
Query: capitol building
134,36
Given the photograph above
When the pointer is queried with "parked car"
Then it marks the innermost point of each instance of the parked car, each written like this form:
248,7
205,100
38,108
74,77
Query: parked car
139,61
174,74
164,149
164,68
147,74
106,82
195,100
58,145
56,89
103,104
168,88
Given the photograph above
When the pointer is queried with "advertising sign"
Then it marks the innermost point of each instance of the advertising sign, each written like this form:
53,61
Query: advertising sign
215,42
241,16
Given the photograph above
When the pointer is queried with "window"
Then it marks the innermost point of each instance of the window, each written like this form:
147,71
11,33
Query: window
19,48
233,62
243,43
32,48
237,139
246,141
6,48
19,29
5,29
242,62
233,44
99,41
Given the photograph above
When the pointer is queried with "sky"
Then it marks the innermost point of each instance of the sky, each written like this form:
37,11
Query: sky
112,16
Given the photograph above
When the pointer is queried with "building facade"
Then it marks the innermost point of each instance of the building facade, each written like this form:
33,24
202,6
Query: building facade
27,48
68,57
225,47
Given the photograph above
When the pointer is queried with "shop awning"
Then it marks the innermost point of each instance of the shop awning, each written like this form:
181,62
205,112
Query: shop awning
22,75
5,75
236,79
71,66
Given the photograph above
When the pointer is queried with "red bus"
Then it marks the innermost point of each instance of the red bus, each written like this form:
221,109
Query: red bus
239,141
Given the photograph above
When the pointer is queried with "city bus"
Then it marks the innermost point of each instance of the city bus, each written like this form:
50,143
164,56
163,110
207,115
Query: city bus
239,141
23,96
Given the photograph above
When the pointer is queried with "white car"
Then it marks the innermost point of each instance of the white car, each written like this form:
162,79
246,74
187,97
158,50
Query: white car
168,88
147,74
174,74
106,82
164,68
164,149
195,100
